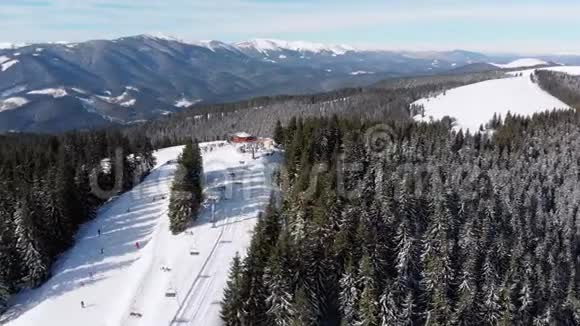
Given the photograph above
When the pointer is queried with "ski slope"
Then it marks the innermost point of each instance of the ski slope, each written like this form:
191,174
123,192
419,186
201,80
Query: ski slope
475,104
129,279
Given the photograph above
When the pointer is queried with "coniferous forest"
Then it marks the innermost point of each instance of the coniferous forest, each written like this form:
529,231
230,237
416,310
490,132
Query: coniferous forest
564,86
47,182
47,189
410,224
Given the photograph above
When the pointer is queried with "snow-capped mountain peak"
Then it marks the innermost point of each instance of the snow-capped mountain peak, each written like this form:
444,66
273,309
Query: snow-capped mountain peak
271,45
161,36
214,45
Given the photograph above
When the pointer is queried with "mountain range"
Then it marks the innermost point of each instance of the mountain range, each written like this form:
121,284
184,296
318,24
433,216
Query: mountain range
53,87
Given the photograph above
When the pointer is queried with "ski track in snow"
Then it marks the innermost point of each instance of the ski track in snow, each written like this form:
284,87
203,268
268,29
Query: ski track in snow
128,279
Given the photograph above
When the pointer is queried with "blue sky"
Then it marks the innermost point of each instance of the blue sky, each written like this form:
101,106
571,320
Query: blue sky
515,26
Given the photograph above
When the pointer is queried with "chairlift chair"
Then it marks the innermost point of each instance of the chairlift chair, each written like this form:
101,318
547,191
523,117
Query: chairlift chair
193,251
171,292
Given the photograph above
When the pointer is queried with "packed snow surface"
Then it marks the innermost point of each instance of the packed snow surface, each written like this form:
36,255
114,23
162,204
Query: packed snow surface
129,279
521,63
475,104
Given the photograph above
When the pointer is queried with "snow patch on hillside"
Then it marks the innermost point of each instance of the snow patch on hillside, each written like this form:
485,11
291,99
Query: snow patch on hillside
475,104
12,103
78,90
7,64
184,103
13,90
54,92
128,103
213,45
361,72
521,63
271,45
124,100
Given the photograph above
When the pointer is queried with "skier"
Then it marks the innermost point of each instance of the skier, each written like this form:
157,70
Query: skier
137,245
99,232
82,304
102,251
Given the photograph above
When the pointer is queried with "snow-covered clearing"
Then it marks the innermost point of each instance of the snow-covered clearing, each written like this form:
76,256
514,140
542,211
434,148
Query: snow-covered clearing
475,104
129,278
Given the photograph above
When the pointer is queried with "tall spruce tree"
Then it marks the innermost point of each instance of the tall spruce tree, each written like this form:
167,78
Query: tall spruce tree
232,313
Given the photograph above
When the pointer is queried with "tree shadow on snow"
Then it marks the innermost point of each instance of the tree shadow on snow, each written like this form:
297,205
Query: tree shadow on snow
129,219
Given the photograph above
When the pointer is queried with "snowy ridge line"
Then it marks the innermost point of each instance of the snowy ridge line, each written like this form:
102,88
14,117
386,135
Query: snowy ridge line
183,305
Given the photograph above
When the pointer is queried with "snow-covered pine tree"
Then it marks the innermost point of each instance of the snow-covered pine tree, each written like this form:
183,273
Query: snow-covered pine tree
349,295
231,312
34,260
280,301
368,305
279,133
